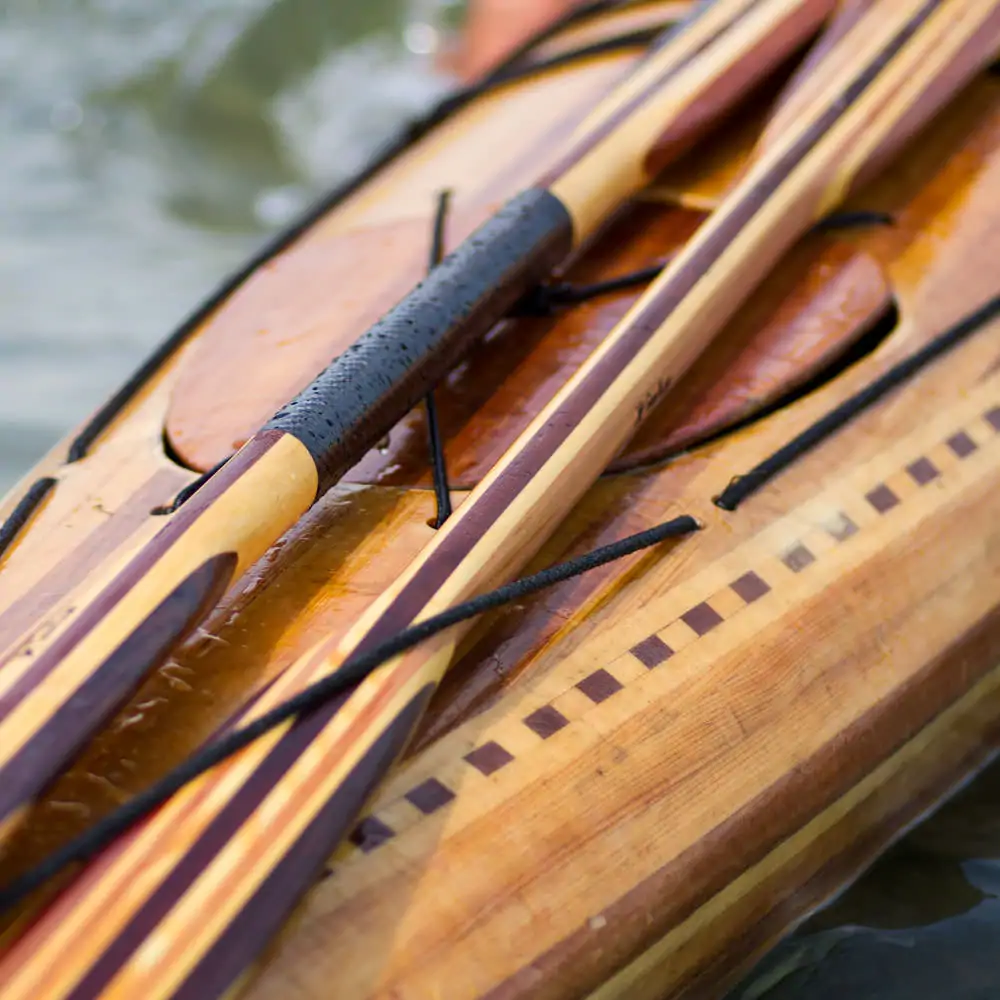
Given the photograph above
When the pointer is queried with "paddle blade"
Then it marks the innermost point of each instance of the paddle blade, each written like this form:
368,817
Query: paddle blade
734,78
50,749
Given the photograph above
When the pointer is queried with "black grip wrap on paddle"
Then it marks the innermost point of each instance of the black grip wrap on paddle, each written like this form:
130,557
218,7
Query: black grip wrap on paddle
351,405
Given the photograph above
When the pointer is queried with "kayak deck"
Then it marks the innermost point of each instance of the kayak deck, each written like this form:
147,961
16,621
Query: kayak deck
635,783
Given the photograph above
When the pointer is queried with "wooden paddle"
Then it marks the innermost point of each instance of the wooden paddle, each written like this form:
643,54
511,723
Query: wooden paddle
180,907
60,682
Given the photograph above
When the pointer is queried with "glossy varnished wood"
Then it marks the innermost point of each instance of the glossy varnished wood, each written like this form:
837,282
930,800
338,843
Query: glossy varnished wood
295,776
590,155
784,339
738,714
922,757
63,678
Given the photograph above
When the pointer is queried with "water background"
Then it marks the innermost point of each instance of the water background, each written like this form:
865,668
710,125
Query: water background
146,149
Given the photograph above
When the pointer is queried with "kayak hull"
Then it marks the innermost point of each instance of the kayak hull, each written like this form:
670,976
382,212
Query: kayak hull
634,784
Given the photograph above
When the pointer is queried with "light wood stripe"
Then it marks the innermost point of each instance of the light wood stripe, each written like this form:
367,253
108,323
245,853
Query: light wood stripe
813,526
558,472
595,175
63,679
145,862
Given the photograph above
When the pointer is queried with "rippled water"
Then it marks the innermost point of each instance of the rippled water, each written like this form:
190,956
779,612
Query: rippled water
146,149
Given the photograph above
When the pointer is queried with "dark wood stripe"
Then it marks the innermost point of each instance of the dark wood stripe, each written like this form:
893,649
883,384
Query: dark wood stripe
546,721
702,618
750,587
651,652
429,796
476,519
199,856
599,686
227,822
882,498
115,591
75,564
784,38
489,757
53,745
263,915
923,471
590,141
961,444
963,65
797,558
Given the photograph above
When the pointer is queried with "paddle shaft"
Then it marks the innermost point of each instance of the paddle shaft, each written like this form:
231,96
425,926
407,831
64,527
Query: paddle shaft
63,680
678,92
217,871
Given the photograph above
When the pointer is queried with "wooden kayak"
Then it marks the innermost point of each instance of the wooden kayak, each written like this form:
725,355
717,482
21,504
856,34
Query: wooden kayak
633,782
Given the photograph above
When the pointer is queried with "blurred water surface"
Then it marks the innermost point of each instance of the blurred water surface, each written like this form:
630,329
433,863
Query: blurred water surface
146,149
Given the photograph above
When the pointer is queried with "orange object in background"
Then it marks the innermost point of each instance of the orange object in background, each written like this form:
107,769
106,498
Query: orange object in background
494,28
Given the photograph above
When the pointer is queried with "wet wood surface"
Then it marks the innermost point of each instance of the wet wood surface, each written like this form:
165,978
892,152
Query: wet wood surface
722,732
67,676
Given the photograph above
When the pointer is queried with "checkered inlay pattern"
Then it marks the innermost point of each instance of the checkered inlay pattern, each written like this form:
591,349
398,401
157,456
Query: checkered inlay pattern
702,618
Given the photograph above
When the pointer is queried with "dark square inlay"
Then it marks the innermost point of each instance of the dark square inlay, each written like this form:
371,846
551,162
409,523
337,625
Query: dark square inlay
702,618
546,721
843,529
430,796
797,558
922,471
993,418
652,652
750,587
961,444
599,686
371,833
882,498
489,757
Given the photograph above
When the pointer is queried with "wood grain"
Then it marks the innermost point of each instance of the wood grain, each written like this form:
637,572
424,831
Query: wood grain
63,678
68,668
570,146
394,915
205,958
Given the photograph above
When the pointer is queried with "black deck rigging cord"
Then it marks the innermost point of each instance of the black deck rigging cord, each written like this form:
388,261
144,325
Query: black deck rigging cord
90,842
746,485
439,469
350,674
356,669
